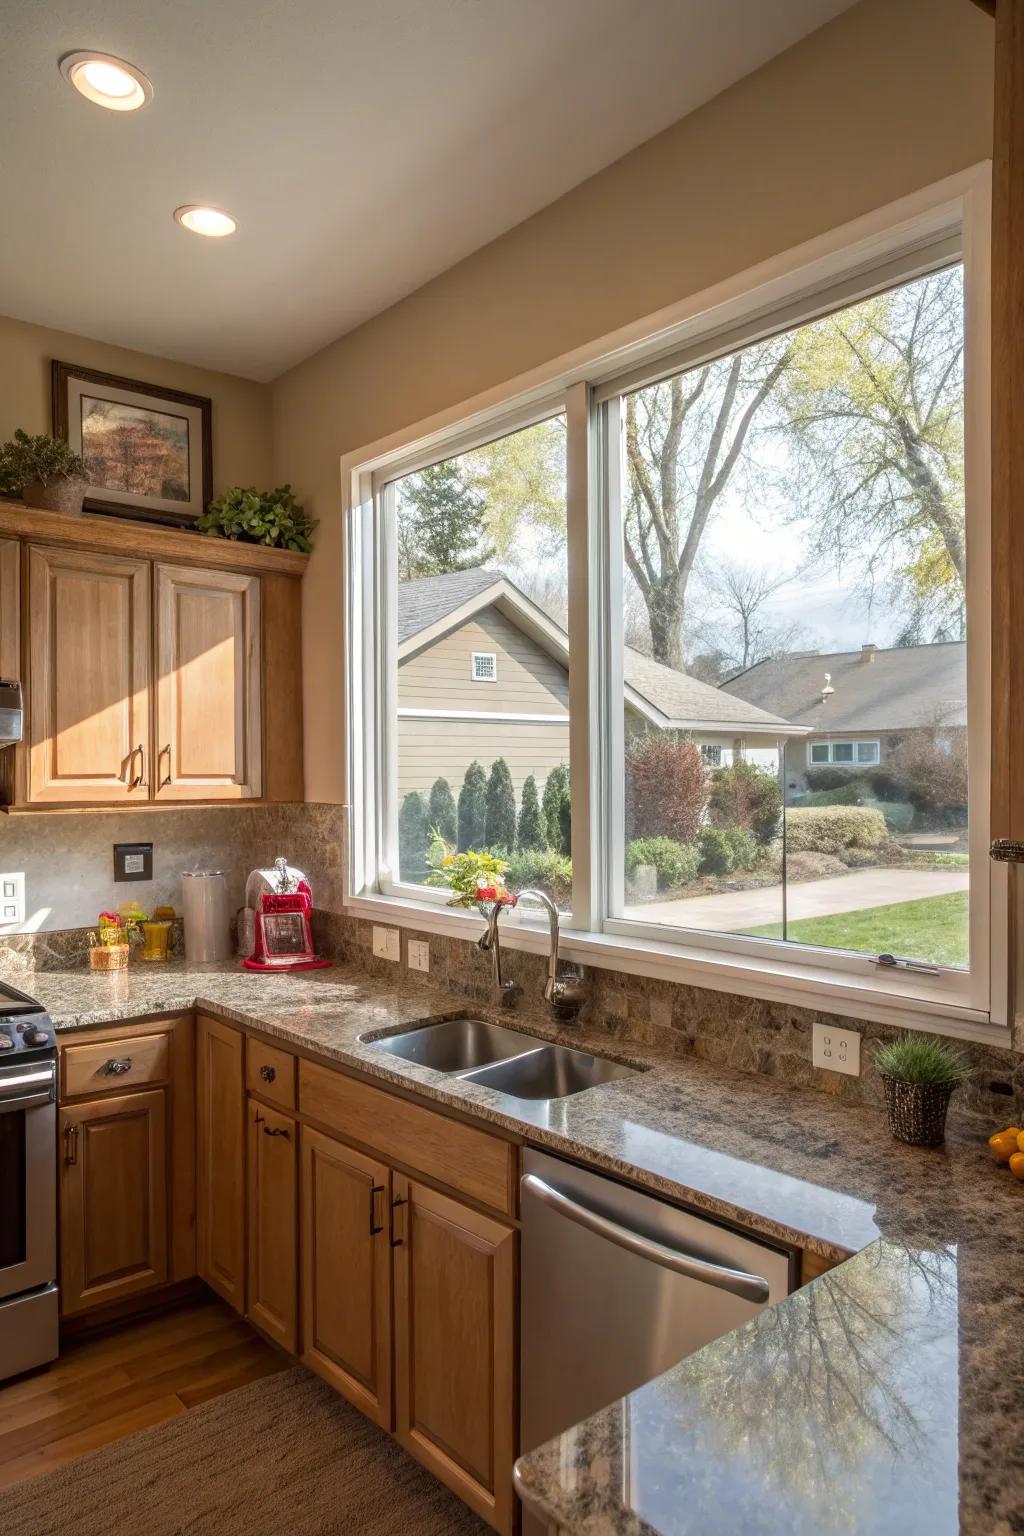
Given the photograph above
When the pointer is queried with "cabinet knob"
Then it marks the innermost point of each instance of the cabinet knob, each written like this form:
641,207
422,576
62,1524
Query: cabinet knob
268,1074
117,1066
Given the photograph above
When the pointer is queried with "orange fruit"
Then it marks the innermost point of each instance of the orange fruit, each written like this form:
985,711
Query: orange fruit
1017,1165
1020,1141
1005,1144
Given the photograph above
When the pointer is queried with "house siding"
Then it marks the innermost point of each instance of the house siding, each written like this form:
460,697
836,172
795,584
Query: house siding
440,677
444,749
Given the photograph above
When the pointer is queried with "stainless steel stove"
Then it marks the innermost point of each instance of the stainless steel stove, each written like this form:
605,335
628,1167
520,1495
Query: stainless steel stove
28,1184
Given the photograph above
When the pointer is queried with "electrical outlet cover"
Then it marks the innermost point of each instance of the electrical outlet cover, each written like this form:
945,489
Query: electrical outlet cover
419,955
12,900
838,1050
387,943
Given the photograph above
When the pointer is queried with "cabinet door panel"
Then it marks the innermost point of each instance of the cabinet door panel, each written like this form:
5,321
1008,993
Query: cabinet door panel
455,1345
89,624
273,1236
208,696
113,1202
220,1160
346,1273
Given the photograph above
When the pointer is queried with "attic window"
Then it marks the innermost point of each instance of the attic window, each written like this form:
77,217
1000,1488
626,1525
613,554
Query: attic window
485,667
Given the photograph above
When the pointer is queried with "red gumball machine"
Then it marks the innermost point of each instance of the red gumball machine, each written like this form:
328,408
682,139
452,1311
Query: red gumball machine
274,932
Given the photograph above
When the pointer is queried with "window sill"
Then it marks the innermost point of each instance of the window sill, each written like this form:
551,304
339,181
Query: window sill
801,986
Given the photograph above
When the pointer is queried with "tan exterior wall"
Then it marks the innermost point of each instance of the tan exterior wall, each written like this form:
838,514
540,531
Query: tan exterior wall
444,749
529,681
241,409
891,96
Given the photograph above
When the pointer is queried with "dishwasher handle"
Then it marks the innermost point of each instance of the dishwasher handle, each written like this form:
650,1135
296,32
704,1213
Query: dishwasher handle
749,1287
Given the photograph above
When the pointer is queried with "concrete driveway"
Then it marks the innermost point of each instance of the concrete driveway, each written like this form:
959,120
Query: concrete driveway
735,911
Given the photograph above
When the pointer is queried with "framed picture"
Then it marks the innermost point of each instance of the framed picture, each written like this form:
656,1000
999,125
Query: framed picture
147,450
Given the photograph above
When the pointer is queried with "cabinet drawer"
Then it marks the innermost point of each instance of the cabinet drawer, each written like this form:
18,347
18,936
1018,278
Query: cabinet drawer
121,1063
270,1073
455,1154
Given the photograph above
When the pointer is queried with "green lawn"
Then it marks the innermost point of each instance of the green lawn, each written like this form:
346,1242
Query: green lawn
933,929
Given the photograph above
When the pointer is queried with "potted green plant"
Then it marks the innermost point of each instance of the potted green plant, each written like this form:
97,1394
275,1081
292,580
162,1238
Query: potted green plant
259,517
44,471
919,1074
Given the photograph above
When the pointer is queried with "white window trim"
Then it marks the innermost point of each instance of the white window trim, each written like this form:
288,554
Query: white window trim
477,677
849,762
838,983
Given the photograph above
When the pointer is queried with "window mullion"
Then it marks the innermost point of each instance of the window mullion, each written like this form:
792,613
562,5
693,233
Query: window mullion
584,787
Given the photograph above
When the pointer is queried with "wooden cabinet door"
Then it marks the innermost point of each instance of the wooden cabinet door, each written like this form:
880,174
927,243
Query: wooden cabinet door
455,1345
89,677
346,1272
273,1232
220,1160
113,1198
208,732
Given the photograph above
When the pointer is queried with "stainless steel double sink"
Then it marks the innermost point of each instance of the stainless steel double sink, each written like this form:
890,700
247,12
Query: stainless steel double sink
520,1065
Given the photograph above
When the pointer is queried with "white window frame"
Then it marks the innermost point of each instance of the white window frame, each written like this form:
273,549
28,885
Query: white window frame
854,761
477,677
864,256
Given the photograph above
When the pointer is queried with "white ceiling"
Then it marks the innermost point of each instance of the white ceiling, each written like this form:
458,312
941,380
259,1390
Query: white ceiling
363,146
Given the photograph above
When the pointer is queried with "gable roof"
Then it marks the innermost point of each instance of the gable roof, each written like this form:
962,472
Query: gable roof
431,606
907,686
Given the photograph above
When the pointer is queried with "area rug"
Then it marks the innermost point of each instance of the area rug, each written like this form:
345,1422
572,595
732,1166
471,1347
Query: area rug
284,1455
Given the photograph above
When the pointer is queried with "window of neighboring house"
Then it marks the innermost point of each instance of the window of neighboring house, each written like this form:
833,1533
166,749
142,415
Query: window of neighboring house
818,752
712,755
485,667
843,753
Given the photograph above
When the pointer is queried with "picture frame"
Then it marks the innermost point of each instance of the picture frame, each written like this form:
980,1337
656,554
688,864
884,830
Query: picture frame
148,449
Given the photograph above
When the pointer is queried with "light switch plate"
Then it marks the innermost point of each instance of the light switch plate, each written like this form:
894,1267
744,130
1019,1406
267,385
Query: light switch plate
836,1049
387,943
419,955
12,900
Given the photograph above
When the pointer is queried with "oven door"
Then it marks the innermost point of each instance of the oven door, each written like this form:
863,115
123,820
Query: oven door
28,1188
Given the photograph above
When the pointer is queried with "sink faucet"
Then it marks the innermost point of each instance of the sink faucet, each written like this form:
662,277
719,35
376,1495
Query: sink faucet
564,990
489,941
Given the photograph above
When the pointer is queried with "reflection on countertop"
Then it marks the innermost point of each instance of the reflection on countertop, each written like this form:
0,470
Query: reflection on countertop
885,1396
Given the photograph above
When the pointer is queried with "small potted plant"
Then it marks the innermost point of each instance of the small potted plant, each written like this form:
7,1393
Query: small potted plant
919,1074
44,471
259,517
473,878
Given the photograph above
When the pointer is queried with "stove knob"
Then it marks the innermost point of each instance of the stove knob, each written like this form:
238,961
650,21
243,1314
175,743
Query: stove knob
36,1037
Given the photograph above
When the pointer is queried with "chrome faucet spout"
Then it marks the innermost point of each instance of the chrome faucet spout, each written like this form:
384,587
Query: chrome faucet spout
565,992
490,942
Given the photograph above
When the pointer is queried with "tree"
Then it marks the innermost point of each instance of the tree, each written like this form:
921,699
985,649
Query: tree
472,813
556,790
743,795
531,832
745,631
666,789
440,523
684,438
500,808
413,836
520,479
873,410
442,812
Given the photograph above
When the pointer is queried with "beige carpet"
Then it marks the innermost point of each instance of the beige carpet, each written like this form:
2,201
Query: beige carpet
284,1456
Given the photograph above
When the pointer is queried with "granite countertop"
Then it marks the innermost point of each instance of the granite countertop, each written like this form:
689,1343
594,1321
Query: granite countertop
886,1395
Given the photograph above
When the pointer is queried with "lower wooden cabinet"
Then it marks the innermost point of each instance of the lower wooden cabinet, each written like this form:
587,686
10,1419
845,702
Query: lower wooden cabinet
454,1345
113,1198
273,1232
346,1272
220,1160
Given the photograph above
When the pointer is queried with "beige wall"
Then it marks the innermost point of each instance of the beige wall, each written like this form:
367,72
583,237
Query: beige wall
529,681
241,409
893,95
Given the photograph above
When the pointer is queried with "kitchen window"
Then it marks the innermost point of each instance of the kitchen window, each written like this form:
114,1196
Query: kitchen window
707,522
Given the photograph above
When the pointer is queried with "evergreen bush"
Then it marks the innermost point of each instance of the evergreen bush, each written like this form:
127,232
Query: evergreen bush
531,830
472,811
556,791
500,808
413,837
441,809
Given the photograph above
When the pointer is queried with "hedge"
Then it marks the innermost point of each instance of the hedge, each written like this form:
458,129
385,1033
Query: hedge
831,828
544,869
676,863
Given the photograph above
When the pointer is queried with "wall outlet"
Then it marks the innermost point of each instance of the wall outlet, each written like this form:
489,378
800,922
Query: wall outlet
419,955
836,1049
12,900
387,943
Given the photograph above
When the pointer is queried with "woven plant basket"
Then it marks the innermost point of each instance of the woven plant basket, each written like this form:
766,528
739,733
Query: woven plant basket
65,495
917,1111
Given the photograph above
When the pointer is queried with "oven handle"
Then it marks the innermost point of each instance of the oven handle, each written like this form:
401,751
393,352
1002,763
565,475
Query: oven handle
40,1081
736,1281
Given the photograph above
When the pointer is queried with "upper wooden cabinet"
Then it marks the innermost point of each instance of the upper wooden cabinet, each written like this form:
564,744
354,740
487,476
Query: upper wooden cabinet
208,695
89,690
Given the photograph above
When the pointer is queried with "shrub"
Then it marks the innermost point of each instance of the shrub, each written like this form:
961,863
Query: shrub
744,795
830,828
716,855
441,811
565,824
812,866
545,870
500,814
743,845
932,777
899,814
666,789
472,813
530,831
822,777
413,837
556,793
853,792
676,863
259,517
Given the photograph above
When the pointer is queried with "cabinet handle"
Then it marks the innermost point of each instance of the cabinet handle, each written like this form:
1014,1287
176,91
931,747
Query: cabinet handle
267,1074
258,1120
375,1190
165,752
273,1130
140,777
117,1066
70,1144
396,1242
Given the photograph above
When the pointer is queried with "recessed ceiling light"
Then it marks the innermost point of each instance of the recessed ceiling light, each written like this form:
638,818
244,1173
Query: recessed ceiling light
107,81
202,220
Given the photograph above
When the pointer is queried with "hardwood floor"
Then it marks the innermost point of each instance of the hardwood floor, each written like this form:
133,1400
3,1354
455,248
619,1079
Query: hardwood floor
108,1386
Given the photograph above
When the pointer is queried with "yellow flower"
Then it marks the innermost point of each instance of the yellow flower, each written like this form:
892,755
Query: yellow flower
449,858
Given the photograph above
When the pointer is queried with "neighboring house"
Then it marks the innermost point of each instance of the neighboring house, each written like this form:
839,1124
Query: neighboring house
483,673
857,705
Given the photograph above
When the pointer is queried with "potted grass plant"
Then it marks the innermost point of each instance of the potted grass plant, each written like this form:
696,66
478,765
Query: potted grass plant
44,472
919,1074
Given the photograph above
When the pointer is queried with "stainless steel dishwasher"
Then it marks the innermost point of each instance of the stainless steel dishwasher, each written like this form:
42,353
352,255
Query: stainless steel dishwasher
618,1286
